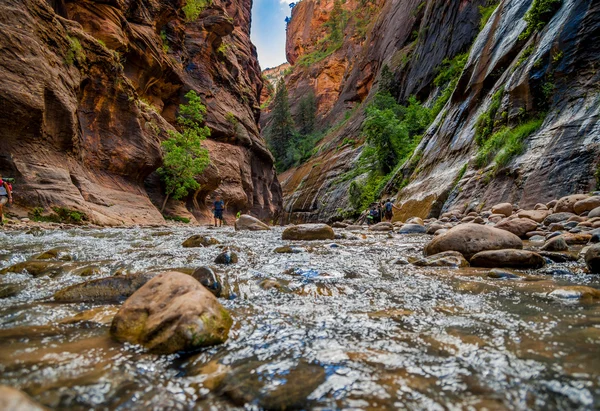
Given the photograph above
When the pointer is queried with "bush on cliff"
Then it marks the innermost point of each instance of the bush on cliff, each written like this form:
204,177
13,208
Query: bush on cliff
184,157
540,14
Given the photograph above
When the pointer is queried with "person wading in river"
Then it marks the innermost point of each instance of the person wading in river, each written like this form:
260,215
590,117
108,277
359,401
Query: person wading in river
218,208
5,197
389,210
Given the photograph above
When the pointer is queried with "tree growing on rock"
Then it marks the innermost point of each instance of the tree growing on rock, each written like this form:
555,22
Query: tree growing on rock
184,157
281,131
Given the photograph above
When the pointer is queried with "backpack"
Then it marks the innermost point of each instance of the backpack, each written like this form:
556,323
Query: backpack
388,207
374,213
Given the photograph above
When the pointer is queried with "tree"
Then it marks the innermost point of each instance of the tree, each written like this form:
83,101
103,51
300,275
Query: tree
307,113
281,130
184,157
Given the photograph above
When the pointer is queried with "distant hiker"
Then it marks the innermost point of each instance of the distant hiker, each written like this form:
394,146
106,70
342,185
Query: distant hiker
5,197
389,210
218,208
374,215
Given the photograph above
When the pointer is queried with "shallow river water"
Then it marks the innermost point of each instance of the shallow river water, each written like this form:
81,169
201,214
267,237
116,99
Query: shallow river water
338,327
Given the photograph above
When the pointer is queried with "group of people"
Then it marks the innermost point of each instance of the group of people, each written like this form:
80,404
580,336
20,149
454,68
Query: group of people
381,211
5,197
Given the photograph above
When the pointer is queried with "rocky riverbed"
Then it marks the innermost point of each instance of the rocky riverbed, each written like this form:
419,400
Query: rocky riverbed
363,320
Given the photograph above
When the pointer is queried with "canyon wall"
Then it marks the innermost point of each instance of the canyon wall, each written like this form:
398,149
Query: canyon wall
90,89
414,40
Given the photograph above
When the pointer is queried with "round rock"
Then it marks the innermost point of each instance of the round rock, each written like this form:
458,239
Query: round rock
308,232
508,258
249,223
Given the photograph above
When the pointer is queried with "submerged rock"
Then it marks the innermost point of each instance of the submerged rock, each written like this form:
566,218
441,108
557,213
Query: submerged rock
207,277
170,313
592,259
470,239
308,232
444,259
508,258
108,289
226,257
200,241
412,229
286,249
40,268
59,253
247,222
12,399
577,292
10,290
558,257
503,273
253,384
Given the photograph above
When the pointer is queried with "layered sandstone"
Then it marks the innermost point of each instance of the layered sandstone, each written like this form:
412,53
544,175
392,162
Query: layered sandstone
90,89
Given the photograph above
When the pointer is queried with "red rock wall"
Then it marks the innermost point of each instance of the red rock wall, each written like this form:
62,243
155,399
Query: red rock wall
91,87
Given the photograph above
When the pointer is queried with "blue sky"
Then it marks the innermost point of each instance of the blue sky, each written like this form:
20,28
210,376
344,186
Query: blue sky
268,31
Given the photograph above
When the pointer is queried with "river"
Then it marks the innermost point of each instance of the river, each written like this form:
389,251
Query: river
338,325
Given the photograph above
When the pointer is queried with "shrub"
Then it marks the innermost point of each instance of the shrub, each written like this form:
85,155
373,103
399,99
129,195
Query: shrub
75,54
486,12
540,13
193,8
177,219
486,121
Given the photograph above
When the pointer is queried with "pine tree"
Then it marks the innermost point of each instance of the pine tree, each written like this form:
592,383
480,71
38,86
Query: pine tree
281,131
307,114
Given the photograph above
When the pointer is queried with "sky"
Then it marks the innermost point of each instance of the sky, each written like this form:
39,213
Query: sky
268,31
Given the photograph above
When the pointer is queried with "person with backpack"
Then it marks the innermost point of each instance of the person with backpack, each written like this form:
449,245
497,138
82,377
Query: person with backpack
5,197
218,208
389,210
374,215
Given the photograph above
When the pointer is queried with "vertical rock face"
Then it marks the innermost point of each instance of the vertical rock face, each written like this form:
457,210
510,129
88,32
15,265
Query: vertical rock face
90,89
548,75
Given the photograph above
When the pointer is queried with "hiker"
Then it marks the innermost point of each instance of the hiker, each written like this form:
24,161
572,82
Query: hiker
374,215
218,208
5,197
389,210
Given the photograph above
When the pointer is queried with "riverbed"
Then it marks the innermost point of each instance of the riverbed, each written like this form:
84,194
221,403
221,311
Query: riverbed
338,325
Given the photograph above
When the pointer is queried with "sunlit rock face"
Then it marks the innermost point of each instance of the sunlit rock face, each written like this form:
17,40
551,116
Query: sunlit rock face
551,74
91,88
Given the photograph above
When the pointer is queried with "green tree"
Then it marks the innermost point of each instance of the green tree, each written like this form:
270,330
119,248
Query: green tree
184,157
281,131
307,114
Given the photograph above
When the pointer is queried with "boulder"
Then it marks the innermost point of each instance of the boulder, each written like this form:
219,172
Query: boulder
415,220
592,259
199,241
566,204
505,209
308,232
595,236
434,227
594,213
339,224
587,204
557,218
508,258
536,215
108,289
286,249
354,227
470,239
59,253
518,226
445,259
503,273
383,226
172,312
412,229
551,204
540,206
12,399
249,223
207,277
494,218
226,257
556,244
577,238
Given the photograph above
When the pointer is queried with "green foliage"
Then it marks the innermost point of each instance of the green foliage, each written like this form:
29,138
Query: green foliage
60,215
525,55
103,44
486,121
486,12
193,8
362,194
223,48
460,175
233,121
36,213
281,130
75,54
556,58
447,78
184,157
165,41
540,13
177,218
307,113
506,143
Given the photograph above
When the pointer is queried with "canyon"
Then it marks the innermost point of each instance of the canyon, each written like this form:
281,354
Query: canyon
91,88
509,74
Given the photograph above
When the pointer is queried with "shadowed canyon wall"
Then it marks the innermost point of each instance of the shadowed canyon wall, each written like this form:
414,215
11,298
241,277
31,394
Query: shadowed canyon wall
550,76
90,89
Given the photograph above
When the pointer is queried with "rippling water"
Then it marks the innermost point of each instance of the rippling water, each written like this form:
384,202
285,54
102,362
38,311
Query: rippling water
338,325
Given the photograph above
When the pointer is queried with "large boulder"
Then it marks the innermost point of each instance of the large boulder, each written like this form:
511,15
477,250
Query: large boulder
247,222
592,259
200,241
536,215
557,218
503,208
587,204
170,313
470,239
108,289
508,258
308,232
12,399
566,204
518,226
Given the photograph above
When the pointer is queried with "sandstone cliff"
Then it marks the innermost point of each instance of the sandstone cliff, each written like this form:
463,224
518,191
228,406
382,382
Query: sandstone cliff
550,74
90,88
